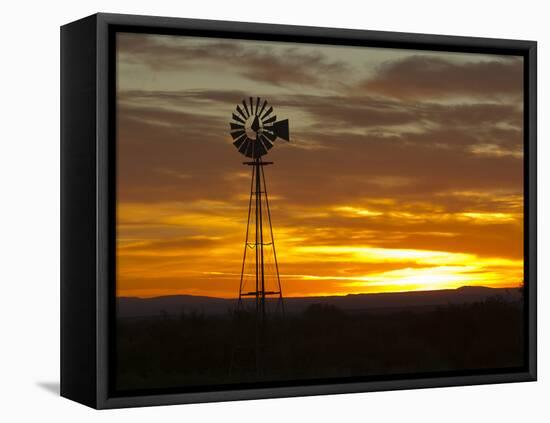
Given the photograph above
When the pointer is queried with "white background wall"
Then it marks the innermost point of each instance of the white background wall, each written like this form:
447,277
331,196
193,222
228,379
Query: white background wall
29,210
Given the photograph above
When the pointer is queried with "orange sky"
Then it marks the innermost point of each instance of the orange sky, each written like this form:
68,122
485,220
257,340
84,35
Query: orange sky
404,170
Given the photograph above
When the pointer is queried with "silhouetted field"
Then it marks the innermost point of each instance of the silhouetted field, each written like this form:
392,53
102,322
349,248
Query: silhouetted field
321,342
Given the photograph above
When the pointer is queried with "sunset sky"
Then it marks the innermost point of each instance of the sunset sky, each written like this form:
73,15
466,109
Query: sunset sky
404,170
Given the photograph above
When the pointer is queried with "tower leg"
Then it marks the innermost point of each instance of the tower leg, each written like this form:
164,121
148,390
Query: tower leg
259,283
246,236
273,245
260,241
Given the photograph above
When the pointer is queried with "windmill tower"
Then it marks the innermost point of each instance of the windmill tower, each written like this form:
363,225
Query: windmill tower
254,128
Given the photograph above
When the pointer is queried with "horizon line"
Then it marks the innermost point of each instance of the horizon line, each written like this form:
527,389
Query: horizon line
518,286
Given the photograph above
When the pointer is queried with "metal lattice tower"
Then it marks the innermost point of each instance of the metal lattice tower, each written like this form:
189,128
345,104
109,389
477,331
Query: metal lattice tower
254,128
255,240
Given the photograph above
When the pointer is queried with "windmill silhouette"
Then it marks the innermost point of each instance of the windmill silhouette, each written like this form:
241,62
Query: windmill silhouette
254,129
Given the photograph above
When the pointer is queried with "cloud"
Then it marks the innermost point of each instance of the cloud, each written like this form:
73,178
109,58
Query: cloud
166,154
496,151
341,114
177,255
423,77
263,63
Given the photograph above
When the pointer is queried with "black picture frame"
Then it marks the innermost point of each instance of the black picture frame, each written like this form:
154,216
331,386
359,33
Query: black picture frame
88,202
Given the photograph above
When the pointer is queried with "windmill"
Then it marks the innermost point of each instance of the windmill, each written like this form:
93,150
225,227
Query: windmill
254,128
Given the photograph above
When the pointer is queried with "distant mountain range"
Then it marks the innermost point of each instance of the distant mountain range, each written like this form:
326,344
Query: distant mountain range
173,305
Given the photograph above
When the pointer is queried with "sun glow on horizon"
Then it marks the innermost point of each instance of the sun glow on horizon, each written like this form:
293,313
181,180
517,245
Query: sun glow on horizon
313,261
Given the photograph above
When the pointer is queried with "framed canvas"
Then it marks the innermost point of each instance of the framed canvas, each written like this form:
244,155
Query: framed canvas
257,211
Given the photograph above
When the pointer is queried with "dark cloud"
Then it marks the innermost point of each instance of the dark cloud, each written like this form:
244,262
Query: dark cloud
477,114
422,77
265,64
336,113
171,169
166,154
353,168
331,112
